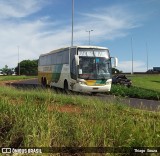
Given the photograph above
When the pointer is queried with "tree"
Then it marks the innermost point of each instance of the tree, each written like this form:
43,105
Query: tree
7,71
116,71
27,67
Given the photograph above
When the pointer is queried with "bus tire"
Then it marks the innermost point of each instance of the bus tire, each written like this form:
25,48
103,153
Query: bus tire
66,87
93,93
44,82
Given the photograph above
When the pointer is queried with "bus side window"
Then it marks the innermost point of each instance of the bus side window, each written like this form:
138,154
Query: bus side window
43,60
59,58
66,57
53,58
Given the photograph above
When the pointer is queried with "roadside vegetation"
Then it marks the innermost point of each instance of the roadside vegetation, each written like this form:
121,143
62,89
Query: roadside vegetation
15,77
134,92
143,86
151,82
43,118
25,67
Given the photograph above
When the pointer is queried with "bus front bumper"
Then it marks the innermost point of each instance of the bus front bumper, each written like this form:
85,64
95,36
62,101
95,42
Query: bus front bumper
94,88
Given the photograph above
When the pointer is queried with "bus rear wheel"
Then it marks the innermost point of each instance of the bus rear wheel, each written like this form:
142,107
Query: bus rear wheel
93,93
44,82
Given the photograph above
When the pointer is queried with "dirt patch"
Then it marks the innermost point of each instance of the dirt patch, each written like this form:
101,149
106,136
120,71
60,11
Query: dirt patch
65,109
3,83
8,82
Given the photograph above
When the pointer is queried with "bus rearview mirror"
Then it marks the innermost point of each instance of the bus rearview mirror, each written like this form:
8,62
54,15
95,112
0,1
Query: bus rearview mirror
115,64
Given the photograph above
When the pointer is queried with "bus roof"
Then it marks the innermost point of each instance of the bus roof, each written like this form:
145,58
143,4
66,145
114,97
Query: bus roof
60,49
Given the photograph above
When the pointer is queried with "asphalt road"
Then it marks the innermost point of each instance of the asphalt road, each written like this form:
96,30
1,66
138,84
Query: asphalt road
31,83
144,104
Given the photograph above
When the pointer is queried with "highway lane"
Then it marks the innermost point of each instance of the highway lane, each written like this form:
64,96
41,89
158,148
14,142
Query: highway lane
150,105
30,83
144,104
33,81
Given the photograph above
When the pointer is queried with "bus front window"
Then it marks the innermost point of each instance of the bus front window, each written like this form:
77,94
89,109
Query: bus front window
94,68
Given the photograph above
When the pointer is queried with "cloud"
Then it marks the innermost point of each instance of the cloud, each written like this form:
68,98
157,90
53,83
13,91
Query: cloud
33,38
19,8
42,35
109,23
126,66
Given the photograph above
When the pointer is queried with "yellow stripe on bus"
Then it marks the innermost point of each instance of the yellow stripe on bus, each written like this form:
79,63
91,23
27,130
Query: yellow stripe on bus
90,82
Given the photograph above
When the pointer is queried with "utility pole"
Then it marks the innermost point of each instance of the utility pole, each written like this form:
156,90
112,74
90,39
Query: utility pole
18,62
147,55
72,22
89,35
132,54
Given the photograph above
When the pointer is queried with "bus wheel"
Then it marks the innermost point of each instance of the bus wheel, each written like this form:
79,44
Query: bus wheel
41,81
66,87
44,82
93,93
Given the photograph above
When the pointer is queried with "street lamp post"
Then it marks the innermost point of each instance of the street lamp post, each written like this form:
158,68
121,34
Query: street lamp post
89,31
18,62
72,22
132,54
147,54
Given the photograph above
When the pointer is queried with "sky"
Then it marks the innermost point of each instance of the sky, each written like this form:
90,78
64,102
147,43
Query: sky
33,27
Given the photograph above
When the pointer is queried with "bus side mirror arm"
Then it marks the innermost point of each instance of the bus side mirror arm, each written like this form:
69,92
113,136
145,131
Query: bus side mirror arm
77,60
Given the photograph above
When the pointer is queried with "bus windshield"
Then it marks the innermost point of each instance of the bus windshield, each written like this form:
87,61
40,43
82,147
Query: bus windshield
92,67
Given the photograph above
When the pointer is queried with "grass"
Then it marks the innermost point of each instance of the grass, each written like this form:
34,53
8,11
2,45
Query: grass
134,92
30,119
143,86
151,82
22,77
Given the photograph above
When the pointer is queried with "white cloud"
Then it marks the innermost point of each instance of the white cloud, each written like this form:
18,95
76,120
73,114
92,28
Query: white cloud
19,8
126,66
33,39
42,35
109,23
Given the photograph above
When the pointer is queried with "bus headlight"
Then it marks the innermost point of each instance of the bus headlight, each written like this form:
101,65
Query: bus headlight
108,82
82,82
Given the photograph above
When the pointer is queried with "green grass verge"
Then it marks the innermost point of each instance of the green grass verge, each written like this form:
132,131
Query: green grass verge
6,78
134,92
26,119
143,86
151,82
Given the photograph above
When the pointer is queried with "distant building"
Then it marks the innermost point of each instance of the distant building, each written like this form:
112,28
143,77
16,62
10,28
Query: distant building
156,69
1,73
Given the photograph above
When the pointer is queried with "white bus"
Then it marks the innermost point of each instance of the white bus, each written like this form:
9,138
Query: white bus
77,68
